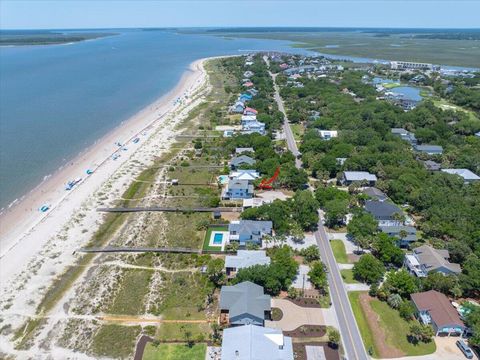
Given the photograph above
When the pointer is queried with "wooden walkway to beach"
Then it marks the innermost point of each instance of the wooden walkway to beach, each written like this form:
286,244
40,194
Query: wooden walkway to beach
169,209
119,249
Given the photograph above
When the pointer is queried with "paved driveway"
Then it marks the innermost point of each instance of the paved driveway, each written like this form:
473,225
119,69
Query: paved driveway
446,350
295,316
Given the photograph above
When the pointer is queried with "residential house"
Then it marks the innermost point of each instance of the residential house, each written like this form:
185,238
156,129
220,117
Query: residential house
434,308
429,149
245,259
241,150
254,202
467,175
245,97
247,118
409,234
405,135
340,161
244,174
375,194
250,111
238,189
248,84
328,134
386,213
432,165
426,259
477,134
244,304
253,92
238,107
358,176
249,231
254,127
248,74
252,342
241,160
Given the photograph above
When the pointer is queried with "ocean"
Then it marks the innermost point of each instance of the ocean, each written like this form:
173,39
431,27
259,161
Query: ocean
56,100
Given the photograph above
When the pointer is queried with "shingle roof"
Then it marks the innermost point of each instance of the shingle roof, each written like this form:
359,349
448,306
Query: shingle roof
433,259
252,342
244,298
381,208
237,184
240,150
375,193
247,258
439,308
250,227
242,159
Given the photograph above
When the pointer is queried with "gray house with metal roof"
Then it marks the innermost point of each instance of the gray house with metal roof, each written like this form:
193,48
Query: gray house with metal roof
241,160
350,177
252,342
245,259
249,231
430,149
244,304
396,232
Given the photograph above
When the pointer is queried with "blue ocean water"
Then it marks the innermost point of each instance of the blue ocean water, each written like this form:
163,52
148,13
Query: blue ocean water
57,100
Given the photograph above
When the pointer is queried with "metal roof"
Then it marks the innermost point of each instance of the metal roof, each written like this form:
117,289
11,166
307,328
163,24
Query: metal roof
246,258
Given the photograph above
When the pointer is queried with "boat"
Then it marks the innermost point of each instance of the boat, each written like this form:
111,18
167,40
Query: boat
136,140
72,183
44,207
89,172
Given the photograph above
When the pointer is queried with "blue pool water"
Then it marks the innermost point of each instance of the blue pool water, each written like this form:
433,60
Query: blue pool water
218,239
223,179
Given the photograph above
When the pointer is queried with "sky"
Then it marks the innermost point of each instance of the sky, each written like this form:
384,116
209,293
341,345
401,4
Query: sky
61,14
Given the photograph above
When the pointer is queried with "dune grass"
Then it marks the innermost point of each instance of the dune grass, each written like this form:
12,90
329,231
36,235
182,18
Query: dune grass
174,352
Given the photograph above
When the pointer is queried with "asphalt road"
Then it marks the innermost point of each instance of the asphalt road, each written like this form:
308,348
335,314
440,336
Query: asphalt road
351,338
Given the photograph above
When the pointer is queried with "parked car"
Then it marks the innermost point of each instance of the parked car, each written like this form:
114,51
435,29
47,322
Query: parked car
465,349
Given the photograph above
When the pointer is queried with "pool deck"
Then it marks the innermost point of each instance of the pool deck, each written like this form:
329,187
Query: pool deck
225,235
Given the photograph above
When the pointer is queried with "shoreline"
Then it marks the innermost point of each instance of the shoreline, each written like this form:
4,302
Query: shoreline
22,217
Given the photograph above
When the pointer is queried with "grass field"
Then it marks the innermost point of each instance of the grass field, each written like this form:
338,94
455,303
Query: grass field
298,131
133,289
347,276
339,251
392,47
115,341
362,322
174,352
396,330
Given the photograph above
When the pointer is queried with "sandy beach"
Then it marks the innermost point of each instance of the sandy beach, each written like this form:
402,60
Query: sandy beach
36,246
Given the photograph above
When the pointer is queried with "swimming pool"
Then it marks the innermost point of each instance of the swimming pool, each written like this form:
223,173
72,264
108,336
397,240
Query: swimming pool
223,179
218,239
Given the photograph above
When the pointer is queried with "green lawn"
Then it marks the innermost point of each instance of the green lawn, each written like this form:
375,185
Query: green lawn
174,352
208,234
347,276
396,330
362,322
393,325
339,251
297,130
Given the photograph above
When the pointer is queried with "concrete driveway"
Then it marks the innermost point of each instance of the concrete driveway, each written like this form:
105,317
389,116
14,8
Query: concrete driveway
446,350
295,316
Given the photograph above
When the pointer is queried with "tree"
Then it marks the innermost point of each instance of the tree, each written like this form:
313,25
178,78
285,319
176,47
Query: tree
362,224
333,337
438,281
292,292
335,211
406,310
400,282
305,210
368,269
394,300
215,271
310,253
296,232
470,276
318,275
363,242
421,332
385,249
473,322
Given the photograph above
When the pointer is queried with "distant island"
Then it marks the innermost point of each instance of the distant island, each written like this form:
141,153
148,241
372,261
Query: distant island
18,38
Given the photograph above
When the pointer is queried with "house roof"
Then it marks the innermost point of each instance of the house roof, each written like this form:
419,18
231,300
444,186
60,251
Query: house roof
395,231
400,131
359,176
249,117
375,193
241,174
464,173
242,159
251,342
434,259
244,298
431,165
234,184
249,109
381,208
240,150
250,226
246,258
439,308
429,148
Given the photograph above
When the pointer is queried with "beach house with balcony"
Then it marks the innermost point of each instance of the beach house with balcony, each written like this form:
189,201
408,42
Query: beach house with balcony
238,107
252,342
241,160
249,231
434,308
426,259
244,304
238,189
254,127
